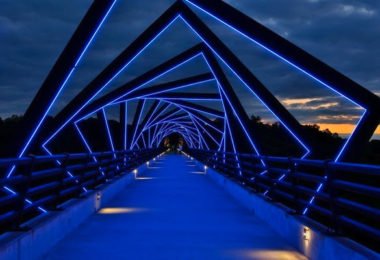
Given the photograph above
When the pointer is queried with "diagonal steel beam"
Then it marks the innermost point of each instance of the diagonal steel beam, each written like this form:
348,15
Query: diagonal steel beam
135,121
199,108
184,95
60,73
170,86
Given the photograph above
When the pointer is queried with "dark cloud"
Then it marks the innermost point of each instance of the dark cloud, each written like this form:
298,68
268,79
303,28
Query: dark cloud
343,33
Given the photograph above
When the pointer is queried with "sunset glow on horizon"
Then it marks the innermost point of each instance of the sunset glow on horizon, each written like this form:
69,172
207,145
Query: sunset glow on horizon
342,128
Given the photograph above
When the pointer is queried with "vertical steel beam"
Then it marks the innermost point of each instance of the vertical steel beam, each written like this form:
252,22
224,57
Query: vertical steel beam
358,141
124,123
136,121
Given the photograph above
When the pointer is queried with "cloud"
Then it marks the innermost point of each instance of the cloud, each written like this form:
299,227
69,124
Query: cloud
310,103
354,10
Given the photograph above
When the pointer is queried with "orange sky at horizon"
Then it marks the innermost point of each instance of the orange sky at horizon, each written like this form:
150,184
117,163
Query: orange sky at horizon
342,128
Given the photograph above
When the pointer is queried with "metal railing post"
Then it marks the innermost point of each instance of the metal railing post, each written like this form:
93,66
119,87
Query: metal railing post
292,168
26,171
61,178
331,176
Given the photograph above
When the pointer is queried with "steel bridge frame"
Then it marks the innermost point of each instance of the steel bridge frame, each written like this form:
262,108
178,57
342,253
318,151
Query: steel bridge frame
212,50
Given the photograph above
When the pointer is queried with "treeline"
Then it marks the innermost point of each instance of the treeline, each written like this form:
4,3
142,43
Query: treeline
271,139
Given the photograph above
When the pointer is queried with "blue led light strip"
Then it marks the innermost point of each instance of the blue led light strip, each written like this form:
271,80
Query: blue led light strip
156,116
199,133
187,110
170,120
201,111
232,140
137,125
204,129
165,118
108,132
126,126
88,147
59,164
175,88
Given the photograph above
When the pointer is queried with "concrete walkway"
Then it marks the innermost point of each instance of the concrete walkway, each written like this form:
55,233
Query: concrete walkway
173,211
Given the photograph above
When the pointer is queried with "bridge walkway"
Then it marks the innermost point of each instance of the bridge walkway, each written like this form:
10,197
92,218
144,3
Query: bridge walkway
173,211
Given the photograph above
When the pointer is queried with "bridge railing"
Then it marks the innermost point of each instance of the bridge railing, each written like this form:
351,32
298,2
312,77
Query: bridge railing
344,197
43,183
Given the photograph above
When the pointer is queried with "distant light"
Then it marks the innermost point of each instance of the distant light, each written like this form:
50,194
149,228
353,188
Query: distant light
145,178
205,167
147,163
265,254
306,234
98,196
109,211
135,171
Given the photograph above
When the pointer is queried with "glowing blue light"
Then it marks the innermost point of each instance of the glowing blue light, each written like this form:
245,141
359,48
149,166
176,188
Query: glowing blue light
93,36
137,125
206,131
26,200
11,191
125,126
87,146
186,110
233,144
156,116
108,132
199,133
200,119
57,161
195,109
177,88
349,138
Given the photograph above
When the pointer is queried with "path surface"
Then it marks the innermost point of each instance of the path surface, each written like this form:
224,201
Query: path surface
173,211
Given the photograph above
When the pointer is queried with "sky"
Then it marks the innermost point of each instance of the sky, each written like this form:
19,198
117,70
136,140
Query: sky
343,33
